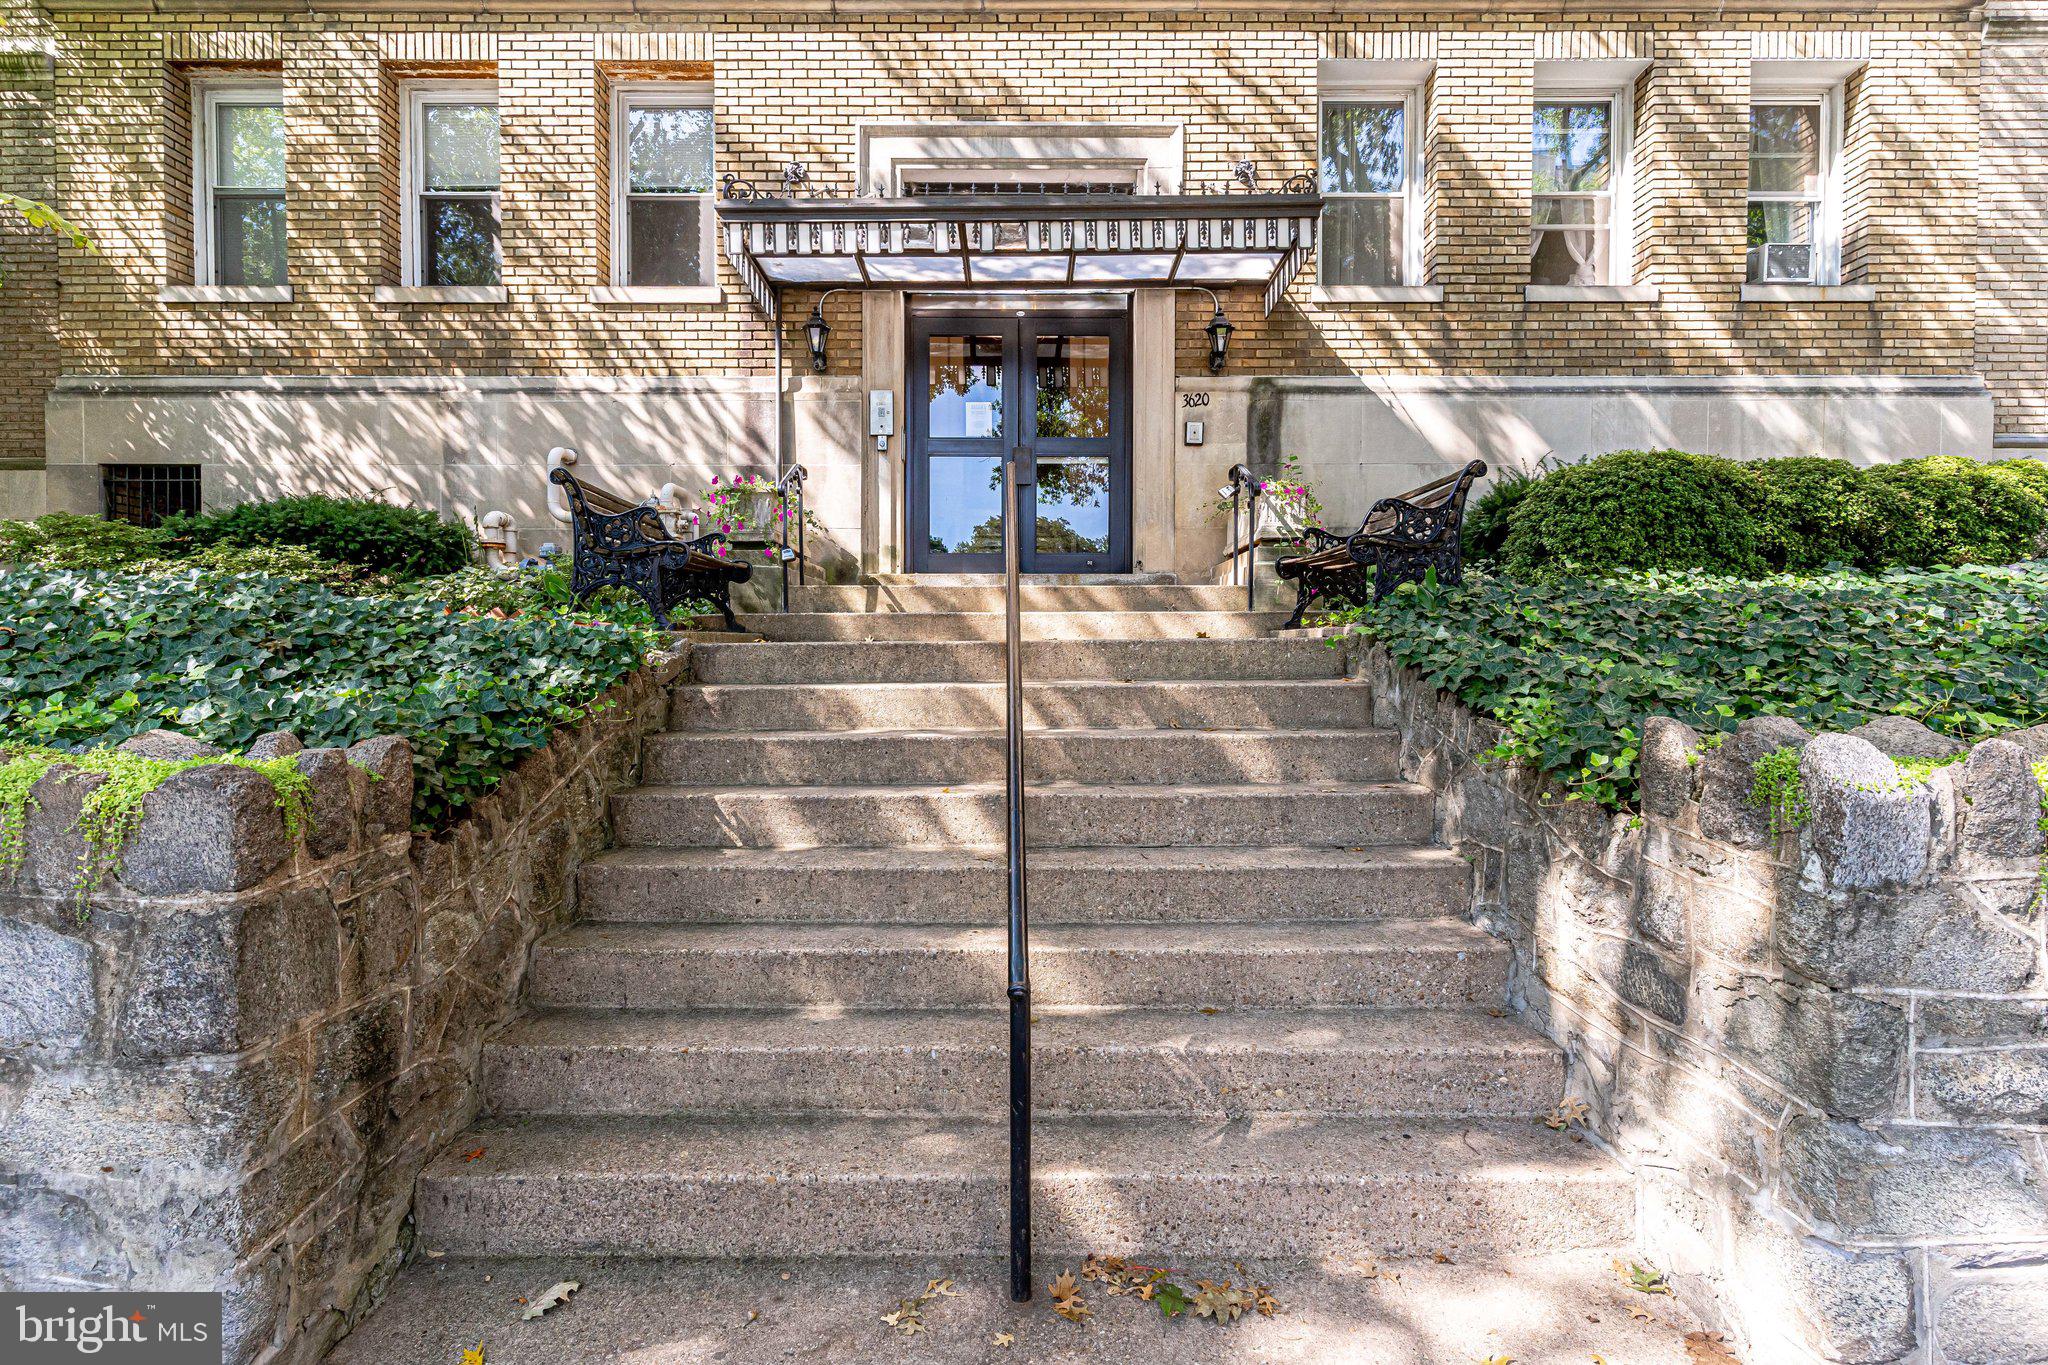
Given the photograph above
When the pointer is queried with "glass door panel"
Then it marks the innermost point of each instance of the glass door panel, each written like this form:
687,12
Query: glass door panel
1073,505
965,501
1073,387
964,388
1077,403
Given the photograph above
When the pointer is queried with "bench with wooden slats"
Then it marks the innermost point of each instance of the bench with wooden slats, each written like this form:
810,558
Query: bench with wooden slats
618,543
1400,541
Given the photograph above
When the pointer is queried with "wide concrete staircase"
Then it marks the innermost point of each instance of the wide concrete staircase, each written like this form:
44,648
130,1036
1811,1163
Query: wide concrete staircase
1263,1026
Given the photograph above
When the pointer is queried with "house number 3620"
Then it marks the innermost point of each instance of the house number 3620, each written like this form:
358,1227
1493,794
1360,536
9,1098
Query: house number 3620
1194,400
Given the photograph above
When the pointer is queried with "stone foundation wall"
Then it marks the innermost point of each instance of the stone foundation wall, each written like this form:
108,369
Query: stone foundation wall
1824,1055
225,1069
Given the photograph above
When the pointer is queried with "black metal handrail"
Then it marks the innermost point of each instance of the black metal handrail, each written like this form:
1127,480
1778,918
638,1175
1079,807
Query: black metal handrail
1244,486
1019,469
792,478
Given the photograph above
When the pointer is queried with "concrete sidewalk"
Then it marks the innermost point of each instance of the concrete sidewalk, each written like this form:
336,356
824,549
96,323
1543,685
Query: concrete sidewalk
1551,1310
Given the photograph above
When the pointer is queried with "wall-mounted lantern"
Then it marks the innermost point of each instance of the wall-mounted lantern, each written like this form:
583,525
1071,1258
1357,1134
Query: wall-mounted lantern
817,330
1219,330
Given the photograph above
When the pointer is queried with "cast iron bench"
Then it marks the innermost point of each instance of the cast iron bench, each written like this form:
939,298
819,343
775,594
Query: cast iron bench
617,543
1400,541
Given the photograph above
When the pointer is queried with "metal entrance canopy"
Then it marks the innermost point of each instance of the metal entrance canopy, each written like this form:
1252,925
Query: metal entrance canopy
1035,241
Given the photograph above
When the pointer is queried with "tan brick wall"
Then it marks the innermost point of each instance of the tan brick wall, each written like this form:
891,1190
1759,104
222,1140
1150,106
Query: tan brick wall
29,355
2012,271
1239,86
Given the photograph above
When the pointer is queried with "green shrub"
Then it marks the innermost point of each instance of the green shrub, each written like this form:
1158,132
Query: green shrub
1486,521
1640,509
1820,512
2031,478
1963,512
1572,666
380,536
92,658
63,540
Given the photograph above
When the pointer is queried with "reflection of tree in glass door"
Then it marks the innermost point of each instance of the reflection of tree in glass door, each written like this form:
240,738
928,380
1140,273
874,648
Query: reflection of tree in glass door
1072,403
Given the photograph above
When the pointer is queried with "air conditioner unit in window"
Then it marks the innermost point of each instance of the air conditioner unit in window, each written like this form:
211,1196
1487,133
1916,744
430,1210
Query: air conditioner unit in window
1781,263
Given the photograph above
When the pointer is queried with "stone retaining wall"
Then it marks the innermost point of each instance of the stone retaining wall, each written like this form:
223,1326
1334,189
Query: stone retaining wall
1824,1055
226,1069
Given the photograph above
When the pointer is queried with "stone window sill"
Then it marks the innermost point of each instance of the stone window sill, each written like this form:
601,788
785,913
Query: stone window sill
225,293
641,295
432,294
1592,293
1377,293
1809,293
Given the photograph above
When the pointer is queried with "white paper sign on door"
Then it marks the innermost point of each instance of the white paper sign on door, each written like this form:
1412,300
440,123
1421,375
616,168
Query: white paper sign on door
981,419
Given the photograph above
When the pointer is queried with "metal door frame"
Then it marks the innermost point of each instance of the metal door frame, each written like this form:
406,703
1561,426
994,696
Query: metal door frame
1019,384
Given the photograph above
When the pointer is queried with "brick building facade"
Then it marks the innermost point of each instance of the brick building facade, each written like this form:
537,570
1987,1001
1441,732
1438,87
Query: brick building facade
1910,323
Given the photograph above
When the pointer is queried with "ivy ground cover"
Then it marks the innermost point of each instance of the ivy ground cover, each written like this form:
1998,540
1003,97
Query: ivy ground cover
1572,666
89,658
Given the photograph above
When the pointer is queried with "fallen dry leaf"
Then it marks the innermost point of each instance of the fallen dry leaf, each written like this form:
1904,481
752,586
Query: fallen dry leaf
935,1289
1219,1302
908,1319
1569,1111
473,1356
1263,1300
1641,1314
472,1156
1497,1360
1709,1348
557,1294
1066,1298
1003,1339
1440,1258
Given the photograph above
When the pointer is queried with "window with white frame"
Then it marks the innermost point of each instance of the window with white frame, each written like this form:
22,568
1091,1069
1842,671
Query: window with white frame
451,154
662,215
1369,168
1578,159
1791,188
238,181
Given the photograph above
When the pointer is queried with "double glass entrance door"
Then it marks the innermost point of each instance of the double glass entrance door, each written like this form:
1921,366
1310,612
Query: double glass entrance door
1053,387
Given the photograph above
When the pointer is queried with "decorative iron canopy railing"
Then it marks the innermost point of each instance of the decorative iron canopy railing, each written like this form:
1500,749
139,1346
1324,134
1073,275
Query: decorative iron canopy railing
1034,241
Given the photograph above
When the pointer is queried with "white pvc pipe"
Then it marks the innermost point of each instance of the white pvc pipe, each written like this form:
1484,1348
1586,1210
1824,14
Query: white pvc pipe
558,497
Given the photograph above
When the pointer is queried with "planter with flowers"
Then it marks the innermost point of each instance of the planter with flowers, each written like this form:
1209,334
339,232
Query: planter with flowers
1286,507
748,511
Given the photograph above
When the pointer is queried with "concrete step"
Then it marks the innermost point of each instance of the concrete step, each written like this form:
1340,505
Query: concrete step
896,757
1558,1308
855,1187
1057,815
988,625
1244,886
939,661
1394,964
955,1063
981,595
1312,705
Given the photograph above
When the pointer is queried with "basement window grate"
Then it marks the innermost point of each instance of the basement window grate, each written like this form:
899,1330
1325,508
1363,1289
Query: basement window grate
147,493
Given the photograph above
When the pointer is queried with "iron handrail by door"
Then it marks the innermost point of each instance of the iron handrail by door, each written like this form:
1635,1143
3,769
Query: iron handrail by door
1019,469
792,478
1243,485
